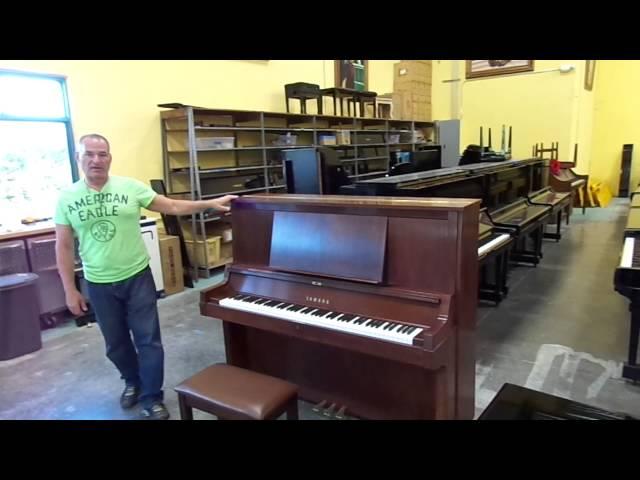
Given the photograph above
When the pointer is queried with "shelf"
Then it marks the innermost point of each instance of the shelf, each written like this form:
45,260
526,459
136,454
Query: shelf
204,171
217,218
287,147
361,159
221,263
354,145
240,192
184,126
292,129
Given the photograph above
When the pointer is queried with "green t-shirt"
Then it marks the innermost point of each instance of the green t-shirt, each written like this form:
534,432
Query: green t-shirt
107,225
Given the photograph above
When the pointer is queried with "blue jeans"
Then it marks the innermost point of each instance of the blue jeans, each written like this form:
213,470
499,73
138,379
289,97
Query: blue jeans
131,306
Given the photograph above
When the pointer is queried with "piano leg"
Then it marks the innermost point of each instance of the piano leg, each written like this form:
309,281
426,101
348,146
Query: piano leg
504,289
555,236
538,236
490,288
520,252
631,369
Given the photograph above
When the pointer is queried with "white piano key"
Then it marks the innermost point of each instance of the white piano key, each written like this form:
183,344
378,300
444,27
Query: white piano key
627,253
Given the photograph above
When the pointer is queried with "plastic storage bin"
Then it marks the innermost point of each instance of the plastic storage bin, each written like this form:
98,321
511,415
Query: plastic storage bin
215,142
19,315
13,257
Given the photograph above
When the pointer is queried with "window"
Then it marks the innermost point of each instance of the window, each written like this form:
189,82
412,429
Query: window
36,145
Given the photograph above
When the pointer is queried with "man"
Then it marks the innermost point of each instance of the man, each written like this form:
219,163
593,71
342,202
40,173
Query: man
103,212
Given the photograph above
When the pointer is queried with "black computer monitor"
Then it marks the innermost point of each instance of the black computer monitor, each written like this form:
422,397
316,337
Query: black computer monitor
427,159
313,171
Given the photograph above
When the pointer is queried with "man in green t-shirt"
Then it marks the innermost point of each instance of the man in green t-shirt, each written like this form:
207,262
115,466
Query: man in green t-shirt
103,212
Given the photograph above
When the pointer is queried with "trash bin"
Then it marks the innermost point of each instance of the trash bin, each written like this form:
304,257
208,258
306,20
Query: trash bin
19,315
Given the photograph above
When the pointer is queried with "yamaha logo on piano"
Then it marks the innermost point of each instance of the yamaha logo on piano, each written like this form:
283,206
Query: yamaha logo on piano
317,300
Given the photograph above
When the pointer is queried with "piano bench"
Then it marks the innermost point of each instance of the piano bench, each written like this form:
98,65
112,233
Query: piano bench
233,393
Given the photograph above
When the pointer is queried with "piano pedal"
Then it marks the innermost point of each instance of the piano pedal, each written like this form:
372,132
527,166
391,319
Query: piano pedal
340,415
319,407
329,411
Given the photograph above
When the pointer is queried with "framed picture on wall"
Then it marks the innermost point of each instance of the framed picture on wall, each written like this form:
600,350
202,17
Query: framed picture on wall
352,74
489,68
589,74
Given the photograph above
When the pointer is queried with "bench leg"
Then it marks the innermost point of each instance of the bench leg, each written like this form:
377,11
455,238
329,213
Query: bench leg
186,413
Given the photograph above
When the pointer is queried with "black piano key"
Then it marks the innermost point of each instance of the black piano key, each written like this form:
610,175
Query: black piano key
391,326
333,315
239,297
320,313
296,308
250,299
347,317
262,301
285,306
271,303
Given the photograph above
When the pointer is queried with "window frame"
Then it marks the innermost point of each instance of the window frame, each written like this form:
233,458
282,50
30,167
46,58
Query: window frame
66,120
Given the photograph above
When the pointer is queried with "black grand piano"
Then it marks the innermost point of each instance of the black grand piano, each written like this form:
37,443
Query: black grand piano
626,282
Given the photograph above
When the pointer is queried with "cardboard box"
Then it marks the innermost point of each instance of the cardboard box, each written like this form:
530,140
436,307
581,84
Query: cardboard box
411,106
212,245
171,260
411,75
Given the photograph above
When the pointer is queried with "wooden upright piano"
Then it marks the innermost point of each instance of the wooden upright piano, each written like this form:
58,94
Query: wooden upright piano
569,181
367,304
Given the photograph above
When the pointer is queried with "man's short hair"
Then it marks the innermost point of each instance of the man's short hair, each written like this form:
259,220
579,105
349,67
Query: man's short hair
94,136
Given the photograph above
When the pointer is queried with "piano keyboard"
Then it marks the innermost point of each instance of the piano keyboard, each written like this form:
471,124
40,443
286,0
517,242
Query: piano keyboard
379,329
493,243
630,254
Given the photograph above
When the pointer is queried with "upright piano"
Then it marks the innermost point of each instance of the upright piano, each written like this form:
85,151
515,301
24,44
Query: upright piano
366,303
569,181
626,282
559,202
503,188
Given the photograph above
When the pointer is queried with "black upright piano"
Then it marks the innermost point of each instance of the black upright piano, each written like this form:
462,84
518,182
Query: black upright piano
626,281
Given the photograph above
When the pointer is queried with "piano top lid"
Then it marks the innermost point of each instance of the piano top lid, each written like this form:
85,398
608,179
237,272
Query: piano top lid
504,165
408,177
357,201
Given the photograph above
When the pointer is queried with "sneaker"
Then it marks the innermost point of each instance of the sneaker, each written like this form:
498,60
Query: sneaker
129,396
157,411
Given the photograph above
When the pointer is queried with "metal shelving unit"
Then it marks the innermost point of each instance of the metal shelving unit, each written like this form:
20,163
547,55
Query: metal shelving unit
202,173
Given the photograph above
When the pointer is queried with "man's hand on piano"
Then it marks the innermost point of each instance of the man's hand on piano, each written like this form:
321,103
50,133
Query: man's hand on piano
221,204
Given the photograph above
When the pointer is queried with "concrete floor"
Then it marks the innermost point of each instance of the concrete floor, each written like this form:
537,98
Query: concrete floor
562,330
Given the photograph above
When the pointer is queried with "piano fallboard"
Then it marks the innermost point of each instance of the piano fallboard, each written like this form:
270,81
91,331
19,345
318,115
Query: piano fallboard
520,216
